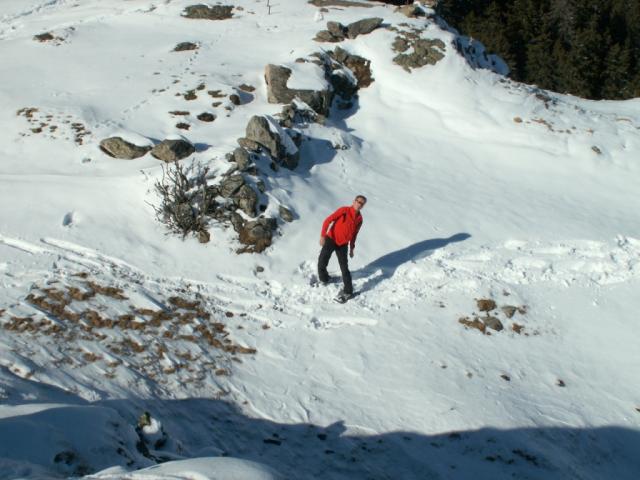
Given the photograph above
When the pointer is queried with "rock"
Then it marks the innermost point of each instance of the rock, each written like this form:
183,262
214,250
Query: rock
298,111
337,30
276,77
237,221
475,323
204,236
249,144
361,27
257,235
516,327
259,131
172,150
185,46
285,214
493,323
205,12
278,143
119,148
486,304
325,36
400,44
509,310
241,157
235,99
425,52
231,185
206,117
44,37
247,199
359,66
411,11
246,88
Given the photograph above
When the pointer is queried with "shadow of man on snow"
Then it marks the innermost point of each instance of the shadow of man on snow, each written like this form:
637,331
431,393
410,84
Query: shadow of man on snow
389,263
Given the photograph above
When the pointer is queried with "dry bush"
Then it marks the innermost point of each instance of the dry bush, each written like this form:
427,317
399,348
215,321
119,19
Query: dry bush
180,302
184,198
112,292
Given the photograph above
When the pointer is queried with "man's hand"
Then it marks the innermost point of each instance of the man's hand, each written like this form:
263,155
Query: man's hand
321,241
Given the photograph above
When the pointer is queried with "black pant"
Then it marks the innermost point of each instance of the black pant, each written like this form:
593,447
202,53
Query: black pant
323,260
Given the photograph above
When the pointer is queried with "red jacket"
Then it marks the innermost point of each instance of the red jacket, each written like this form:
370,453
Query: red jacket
346,225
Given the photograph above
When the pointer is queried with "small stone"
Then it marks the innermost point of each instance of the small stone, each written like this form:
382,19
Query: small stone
204,236
486,304
517,328
259,269
506,377
517,119
183,126
235,99
249,144
509,310
206,117
247,88
493,323
597,150
560,383
185,46
44,37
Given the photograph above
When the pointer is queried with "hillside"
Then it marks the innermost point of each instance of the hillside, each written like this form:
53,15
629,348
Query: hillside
478,187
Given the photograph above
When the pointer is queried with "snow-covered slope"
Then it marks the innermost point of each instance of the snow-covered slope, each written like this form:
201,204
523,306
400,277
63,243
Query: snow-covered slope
478,188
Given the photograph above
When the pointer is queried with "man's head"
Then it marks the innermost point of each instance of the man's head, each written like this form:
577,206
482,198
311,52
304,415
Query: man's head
359,202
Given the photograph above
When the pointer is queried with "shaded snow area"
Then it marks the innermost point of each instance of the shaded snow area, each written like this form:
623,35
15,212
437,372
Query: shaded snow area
494,330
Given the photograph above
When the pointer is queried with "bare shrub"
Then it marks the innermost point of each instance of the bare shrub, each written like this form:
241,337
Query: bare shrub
184,198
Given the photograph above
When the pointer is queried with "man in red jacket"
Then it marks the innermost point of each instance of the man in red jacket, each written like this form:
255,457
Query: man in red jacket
339,231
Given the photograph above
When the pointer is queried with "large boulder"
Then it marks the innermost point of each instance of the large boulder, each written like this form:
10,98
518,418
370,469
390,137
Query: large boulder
205,12
362,27
276,77
172,150
273,138
117,147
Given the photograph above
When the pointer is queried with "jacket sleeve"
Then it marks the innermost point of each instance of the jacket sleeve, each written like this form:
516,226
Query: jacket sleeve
330,219
353,240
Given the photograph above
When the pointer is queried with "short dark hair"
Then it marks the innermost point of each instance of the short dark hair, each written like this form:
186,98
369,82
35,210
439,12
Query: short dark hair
361,197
